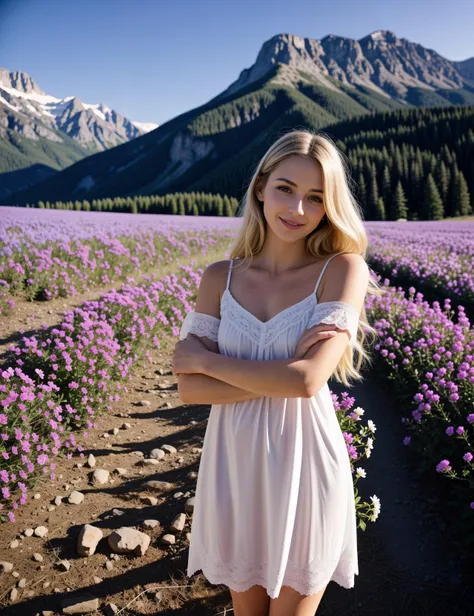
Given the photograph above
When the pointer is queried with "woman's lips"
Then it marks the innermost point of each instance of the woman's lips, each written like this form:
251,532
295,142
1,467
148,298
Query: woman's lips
289,225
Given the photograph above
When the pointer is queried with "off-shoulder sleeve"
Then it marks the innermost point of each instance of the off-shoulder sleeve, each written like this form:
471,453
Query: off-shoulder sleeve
200,324
340,314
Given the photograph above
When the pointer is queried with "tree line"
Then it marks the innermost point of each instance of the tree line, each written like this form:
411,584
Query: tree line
184,204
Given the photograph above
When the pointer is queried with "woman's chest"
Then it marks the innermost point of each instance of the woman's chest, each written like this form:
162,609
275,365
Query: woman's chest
243,335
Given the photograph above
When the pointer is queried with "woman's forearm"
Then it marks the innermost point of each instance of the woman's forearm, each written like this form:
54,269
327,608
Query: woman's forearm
285,378
203,389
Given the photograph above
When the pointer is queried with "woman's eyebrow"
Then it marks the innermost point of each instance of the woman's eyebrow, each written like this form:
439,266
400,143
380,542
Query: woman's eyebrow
293,184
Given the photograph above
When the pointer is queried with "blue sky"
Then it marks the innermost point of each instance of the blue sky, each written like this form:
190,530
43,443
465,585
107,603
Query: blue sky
152,60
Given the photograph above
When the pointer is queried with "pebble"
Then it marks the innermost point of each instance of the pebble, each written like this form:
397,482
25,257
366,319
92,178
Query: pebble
29,532
79,605
128,541
189,505
88,540
158,454
63,565
41,531
100,476
76,498
149,500
38,557
158,486
177,525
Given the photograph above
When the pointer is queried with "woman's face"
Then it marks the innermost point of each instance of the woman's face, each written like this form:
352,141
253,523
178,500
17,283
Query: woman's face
292,198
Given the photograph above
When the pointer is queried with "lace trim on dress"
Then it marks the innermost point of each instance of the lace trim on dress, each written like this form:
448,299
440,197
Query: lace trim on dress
340,314
260,331
200,324
306,579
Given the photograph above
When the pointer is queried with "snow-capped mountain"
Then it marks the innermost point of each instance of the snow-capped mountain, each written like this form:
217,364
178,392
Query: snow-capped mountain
39,115
41,134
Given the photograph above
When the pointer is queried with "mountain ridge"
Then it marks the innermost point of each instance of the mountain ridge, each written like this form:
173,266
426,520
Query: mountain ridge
294,81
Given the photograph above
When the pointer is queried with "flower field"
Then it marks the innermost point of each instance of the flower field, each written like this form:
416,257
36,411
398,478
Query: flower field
55,384
53,253
437,258
427,347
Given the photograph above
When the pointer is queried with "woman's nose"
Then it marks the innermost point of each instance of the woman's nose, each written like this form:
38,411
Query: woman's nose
297,206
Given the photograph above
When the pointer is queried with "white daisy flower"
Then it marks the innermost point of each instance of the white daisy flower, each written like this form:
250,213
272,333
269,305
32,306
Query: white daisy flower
360,472
376,503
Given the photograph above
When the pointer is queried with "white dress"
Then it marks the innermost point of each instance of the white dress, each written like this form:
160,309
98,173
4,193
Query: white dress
274,500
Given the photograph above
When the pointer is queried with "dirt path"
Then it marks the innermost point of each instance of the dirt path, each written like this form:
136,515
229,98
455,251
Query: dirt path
406,566
29,316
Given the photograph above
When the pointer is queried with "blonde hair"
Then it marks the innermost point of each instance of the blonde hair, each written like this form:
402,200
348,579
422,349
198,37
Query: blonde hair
341,230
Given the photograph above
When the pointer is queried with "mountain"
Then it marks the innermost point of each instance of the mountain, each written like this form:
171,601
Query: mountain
294,82
41,134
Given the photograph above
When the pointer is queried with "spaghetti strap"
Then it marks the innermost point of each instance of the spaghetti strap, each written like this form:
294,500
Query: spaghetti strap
323,270
228,275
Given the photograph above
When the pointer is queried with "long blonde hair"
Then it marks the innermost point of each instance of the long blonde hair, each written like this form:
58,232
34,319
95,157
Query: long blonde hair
341,229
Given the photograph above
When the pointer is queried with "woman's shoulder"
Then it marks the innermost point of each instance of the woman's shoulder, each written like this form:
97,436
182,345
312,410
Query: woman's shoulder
215,275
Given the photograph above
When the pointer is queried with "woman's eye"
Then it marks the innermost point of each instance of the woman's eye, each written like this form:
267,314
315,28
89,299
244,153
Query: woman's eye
319,200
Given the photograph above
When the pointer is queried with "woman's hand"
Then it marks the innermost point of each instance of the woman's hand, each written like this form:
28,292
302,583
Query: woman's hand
312,335
188,355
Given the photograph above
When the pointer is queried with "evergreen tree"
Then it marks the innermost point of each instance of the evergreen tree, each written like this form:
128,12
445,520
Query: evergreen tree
380,210
362,191
432,204
227,206
400,202
462,201
373,196
441,179
386,189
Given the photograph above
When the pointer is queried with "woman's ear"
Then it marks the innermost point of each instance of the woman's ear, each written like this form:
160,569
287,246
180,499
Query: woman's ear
258,190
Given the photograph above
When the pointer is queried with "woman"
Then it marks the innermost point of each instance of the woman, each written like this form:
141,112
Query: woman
274,515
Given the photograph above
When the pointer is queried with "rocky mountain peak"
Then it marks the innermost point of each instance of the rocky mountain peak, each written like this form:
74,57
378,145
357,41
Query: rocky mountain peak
20,81
380,61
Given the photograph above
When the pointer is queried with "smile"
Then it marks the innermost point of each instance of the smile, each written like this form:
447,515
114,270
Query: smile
290,225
